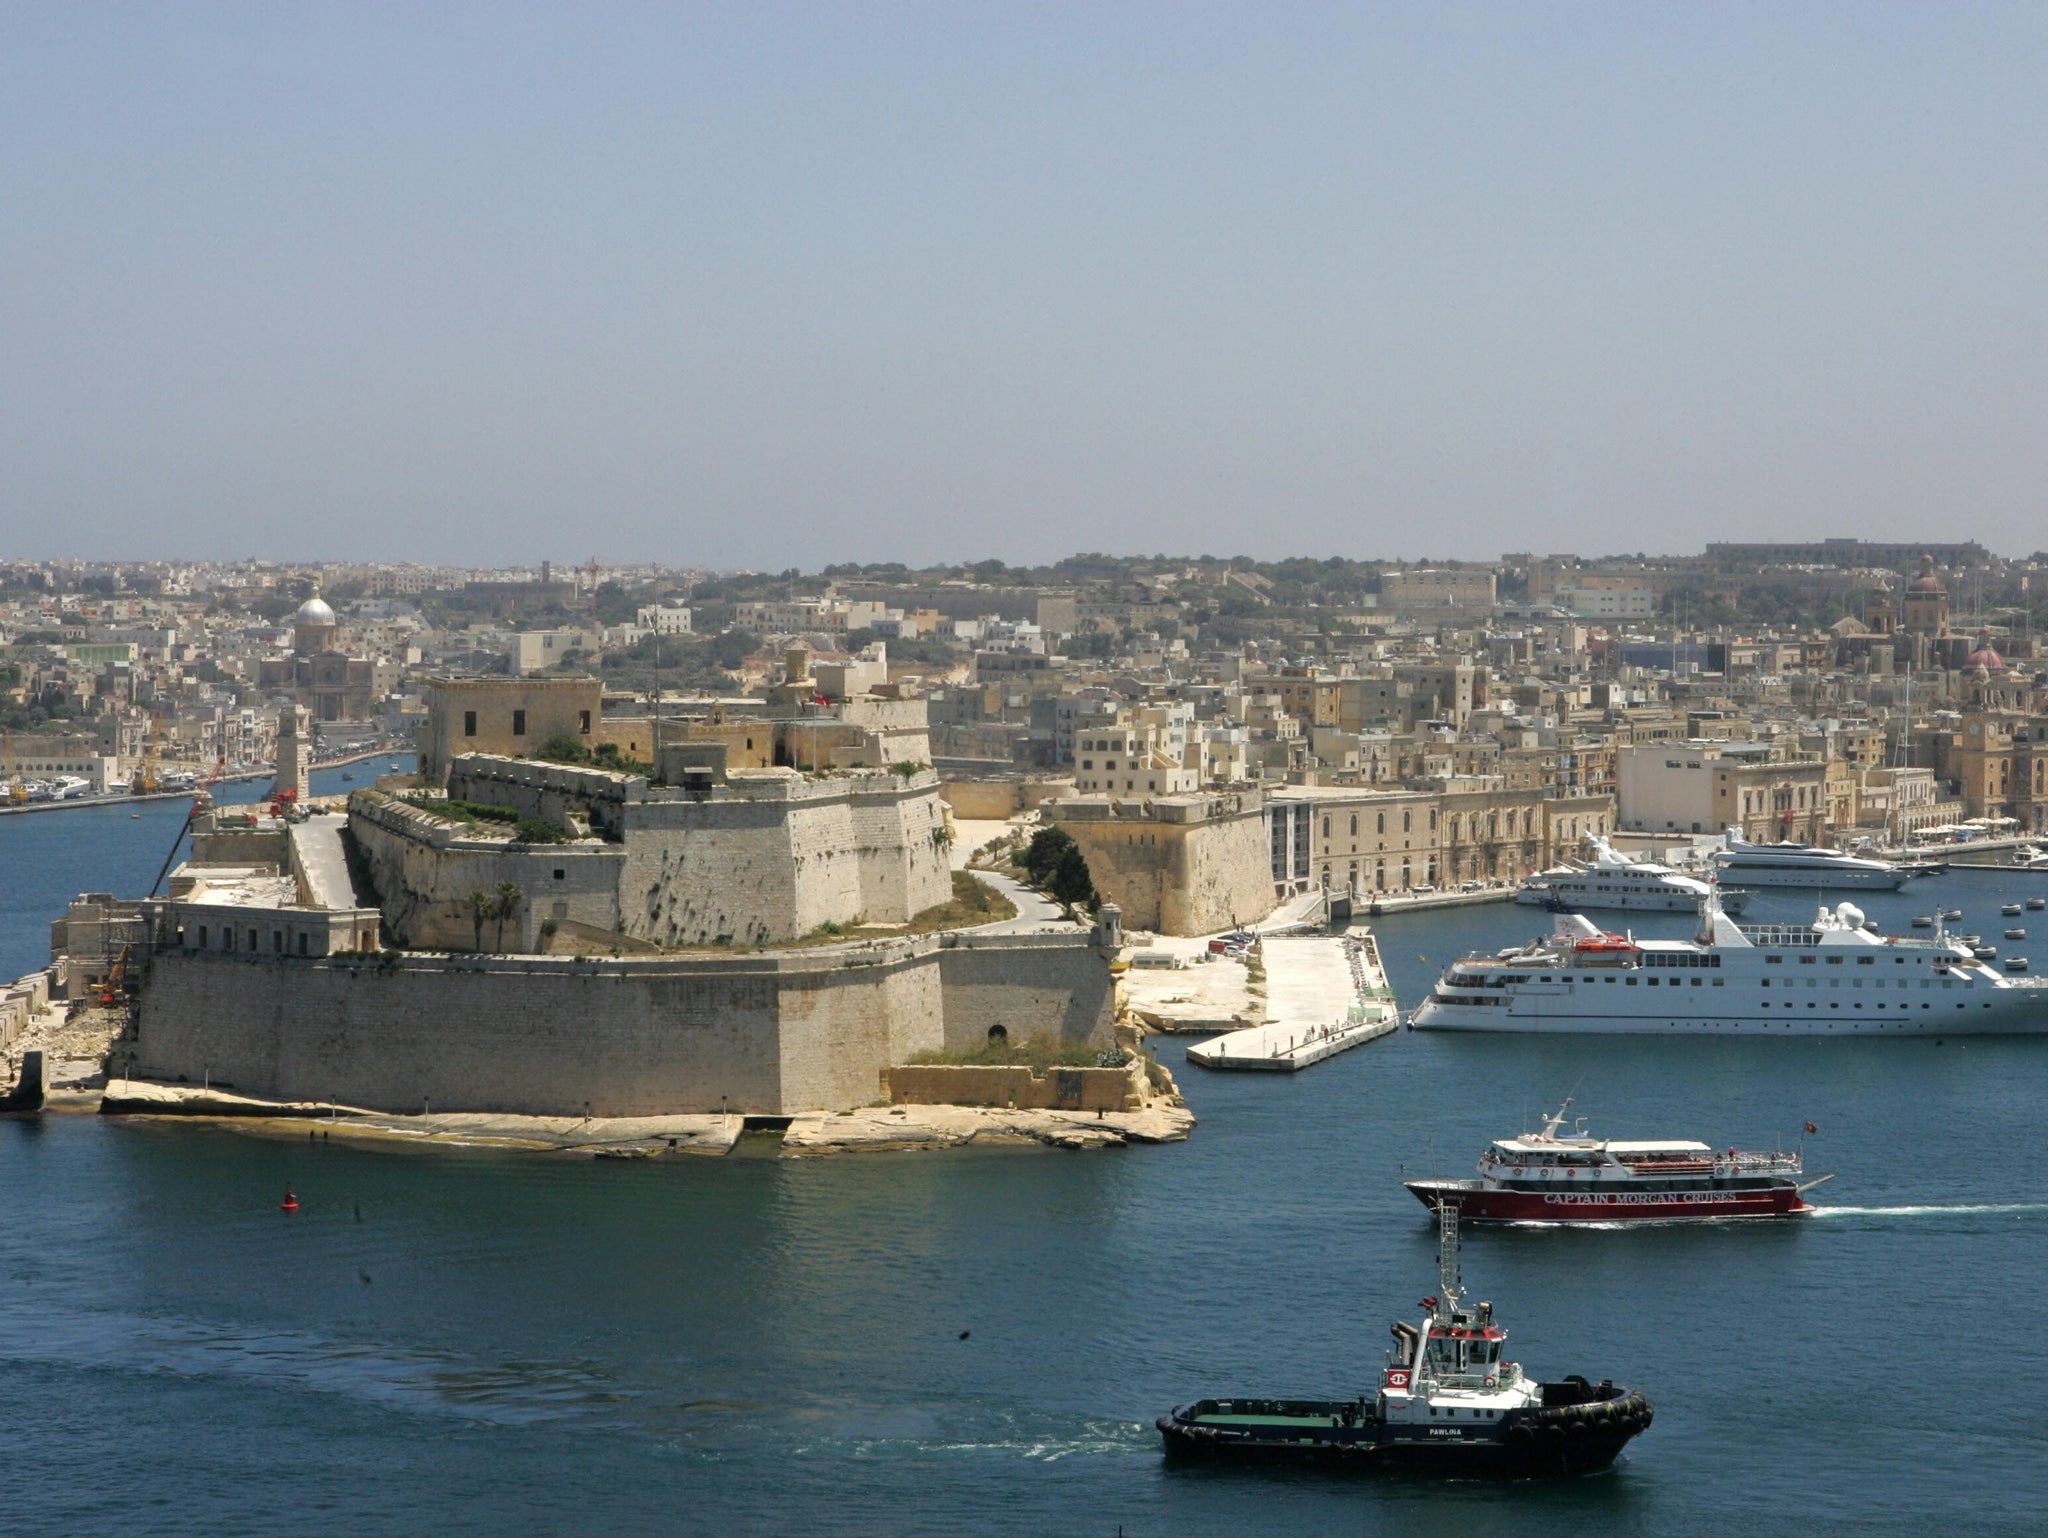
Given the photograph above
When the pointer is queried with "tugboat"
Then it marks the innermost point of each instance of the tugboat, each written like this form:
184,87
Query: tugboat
1449,1402
1545,1177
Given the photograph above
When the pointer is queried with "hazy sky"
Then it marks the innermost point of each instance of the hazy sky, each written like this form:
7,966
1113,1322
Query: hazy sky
780,285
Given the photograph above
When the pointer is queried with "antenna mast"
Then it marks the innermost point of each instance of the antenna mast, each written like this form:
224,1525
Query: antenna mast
1449,1282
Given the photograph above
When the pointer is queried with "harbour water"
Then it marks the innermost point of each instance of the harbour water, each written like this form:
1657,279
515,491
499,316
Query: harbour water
465,1341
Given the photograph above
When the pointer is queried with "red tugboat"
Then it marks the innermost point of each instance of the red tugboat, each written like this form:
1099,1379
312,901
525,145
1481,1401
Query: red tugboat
1554,1177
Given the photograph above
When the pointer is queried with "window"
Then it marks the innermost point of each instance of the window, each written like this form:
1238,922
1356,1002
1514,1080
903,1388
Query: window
469,723
1407,822
1383,822
1354,825
583,722
302,944
519,723
561,875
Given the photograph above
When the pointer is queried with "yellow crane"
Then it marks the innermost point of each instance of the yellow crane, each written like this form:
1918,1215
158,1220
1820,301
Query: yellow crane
16,791
148,779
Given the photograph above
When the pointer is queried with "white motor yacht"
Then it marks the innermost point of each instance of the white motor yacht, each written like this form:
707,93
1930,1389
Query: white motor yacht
1804,865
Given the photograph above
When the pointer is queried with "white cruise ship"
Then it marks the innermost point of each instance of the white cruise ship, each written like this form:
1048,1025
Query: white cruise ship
1829,978
1804,865
1613,880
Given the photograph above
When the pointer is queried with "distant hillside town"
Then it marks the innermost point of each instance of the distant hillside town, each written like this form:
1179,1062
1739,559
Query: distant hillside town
685,840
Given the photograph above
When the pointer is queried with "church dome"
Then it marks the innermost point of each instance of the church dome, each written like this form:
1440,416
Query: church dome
1927,582
1986,656
314,611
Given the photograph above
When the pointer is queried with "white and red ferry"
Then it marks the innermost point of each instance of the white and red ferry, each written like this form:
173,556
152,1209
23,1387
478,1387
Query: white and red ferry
1568,1177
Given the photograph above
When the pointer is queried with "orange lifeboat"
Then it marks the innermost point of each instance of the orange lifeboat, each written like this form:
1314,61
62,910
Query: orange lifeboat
1610,947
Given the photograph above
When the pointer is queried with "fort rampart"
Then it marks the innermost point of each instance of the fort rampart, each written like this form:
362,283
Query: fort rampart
770,1033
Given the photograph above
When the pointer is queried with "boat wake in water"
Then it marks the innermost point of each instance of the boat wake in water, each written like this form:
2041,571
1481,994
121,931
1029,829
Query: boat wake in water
1931,1210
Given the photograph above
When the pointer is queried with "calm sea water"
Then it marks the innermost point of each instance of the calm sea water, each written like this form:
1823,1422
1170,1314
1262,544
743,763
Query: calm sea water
473,1342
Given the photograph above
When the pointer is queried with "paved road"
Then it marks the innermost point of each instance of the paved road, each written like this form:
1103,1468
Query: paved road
318,841
1035,914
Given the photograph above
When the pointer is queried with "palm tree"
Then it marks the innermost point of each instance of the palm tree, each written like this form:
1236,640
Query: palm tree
481,904
507,905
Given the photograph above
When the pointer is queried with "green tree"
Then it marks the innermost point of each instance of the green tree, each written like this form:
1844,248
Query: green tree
1043,854
480,905
1070,882
564,748
505,906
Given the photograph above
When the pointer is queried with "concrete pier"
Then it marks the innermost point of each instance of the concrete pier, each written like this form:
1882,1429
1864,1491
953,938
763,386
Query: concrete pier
1327,995
1413,902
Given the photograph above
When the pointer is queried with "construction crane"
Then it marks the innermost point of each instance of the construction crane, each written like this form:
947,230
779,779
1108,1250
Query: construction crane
202,800
148,779
15,790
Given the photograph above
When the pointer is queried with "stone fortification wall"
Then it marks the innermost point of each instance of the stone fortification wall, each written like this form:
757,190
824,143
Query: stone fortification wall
632,1036
1061,1089
1002,797
1029,985
213,844
1185,866
424,870
752,859
20,1002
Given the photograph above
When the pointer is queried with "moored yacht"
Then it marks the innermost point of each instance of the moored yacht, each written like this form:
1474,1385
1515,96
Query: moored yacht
1832,977
1804,865
1612,879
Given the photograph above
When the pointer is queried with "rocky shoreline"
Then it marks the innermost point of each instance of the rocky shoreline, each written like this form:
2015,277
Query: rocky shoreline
877,1129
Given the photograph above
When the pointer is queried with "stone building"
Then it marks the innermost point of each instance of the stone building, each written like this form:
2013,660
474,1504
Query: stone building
506,716
1178,865
1708,787
326,680
1926,604
742,858
1365,839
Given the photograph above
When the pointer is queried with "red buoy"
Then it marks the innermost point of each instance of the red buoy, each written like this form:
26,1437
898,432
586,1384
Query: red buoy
290,1202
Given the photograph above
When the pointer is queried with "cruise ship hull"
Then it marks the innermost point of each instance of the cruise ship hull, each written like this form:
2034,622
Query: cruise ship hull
2011,1012
1478,1202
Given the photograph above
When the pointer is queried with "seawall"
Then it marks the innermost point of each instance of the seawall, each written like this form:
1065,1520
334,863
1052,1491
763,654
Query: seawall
769,1033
